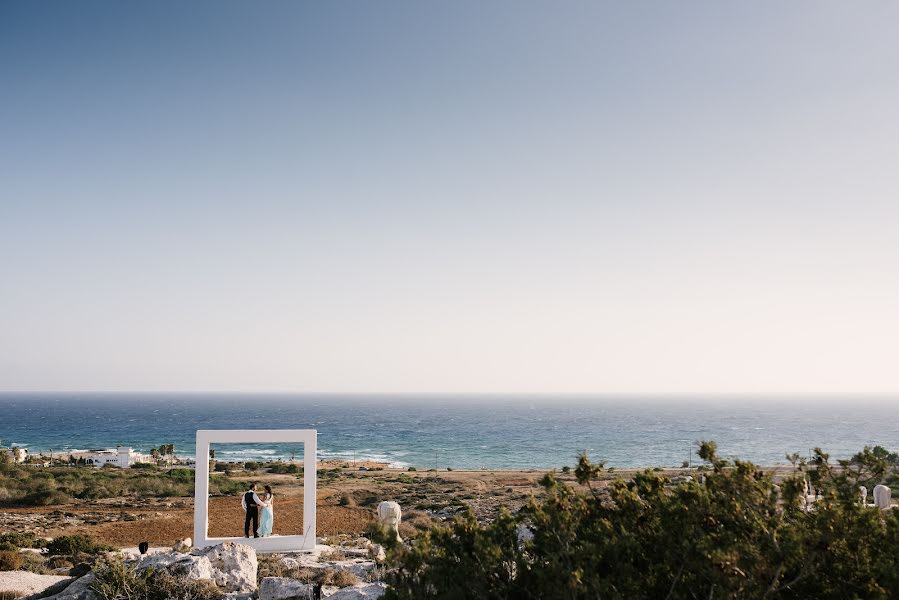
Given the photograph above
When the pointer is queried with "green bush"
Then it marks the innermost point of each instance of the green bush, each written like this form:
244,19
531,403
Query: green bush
117,581
71,545
22,540
733,535
27,486
11,560
285,469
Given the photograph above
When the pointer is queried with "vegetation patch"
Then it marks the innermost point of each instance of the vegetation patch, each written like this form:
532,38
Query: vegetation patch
117,581
732,534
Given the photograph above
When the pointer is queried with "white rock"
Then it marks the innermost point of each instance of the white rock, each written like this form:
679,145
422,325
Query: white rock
863,493
185,545
524,534
365,591
882,497
283,588
233,566
376,552
390,514
360,567
183,565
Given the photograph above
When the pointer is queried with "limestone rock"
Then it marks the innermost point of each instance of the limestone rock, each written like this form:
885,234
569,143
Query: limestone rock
233,566
78,590
376,552
185,545
284,588
183,565
365,591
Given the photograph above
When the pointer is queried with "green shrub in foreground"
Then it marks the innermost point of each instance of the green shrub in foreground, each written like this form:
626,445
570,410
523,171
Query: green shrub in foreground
735,535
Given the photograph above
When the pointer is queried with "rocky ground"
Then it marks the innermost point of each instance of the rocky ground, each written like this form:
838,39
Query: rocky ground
346,499
233,571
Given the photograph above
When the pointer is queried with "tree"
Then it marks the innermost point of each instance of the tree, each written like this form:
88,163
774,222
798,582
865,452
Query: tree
734,535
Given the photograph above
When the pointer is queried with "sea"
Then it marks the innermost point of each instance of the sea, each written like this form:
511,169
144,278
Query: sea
460,432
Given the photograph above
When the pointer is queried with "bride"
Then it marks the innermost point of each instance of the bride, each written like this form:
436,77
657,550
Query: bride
267,516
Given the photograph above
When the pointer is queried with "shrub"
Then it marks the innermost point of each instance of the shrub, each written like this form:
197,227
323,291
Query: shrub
285,469
11,560
59,562
735,535
117,581
35,563
332,555
71,545
12,595
22,540
346,500
336,578
411,469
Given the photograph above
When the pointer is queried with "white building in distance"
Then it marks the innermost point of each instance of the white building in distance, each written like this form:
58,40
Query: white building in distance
18,455
122,457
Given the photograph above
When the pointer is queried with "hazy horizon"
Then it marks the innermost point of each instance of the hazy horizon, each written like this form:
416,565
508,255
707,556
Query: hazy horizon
513,198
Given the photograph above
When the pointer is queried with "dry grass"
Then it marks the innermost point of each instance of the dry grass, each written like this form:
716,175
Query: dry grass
10,560
332,555
337,578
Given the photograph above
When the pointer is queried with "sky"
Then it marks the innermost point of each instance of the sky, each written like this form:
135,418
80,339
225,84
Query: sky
585,197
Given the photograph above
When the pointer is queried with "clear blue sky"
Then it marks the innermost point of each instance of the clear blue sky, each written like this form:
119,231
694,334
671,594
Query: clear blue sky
449,196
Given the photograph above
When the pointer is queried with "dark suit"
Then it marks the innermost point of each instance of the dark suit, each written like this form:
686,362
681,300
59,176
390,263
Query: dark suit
252,515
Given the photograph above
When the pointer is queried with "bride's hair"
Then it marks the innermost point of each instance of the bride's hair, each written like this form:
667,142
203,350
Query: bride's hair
268,490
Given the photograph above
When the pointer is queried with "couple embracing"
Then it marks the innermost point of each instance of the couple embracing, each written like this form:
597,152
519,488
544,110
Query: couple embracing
253,504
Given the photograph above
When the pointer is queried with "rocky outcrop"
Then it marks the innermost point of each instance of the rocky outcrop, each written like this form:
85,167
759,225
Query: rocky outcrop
284,588
77,590
233,566
368,591
183,565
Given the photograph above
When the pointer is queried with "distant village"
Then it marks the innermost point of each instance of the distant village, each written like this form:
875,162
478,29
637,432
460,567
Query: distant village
123,457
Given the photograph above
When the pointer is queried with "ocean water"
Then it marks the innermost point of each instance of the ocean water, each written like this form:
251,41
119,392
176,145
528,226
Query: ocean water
491,432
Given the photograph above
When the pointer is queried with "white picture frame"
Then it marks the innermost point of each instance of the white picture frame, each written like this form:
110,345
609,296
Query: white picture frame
275,543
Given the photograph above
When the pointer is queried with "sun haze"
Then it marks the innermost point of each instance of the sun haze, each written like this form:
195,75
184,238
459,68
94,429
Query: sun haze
501,197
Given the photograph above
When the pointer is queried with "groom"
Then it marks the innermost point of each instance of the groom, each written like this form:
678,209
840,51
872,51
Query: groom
251,503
